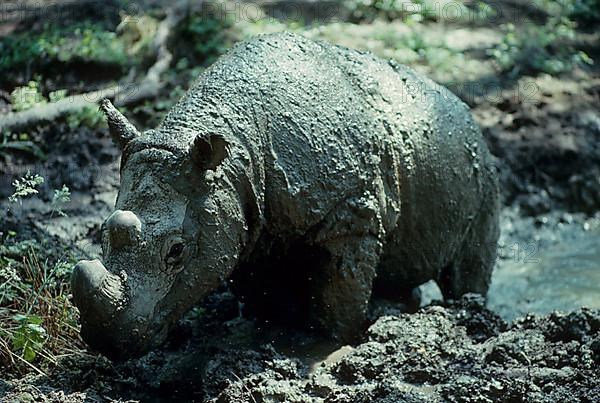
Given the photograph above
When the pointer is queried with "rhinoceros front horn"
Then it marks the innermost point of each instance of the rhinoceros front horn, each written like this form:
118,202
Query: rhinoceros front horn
124,229
121,130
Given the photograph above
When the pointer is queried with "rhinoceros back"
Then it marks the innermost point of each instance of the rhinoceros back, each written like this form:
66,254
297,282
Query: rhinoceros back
323,124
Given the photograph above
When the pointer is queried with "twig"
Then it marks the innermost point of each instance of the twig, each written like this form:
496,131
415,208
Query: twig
243,386
12,355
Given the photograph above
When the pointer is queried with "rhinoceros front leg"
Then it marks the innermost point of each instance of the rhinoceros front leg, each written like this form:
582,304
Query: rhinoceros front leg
352,236
343,286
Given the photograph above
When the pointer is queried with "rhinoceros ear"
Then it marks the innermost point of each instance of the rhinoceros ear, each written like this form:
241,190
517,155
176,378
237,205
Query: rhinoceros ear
208,153
121,130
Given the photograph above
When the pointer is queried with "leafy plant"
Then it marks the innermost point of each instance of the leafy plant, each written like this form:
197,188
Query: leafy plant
29,337
549,48
85,41
52,45
9,282
25,187
87,116
23,98
60,197
91,43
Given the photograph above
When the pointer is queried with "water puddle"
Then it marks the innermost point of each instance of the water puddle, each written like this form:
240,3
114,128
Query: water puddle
562,276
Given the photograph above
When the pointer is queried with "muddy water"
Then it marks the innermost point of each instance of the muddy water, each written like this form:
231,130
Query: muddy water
544,264
562,276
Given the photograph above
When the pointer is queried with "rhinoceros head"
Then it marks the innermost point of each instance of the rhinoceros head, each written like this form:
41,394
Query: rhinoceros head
161,250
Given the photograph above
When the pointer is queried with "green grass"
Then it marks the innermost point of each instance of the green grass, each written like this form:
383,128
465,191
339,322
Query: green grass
38,322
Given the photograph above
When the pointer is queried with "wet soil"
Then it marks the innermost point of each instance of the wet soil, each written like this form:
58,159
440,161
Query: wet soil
545,132
454,352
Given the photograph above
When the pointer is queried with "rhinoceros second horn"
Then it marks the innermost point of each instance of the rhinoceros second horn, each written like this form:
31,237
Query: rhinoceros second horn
121,130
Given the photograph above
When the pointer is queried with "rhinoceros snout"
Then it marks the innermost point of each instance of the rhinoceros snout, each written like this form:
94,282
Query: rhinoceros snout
124,229
99,295
96,292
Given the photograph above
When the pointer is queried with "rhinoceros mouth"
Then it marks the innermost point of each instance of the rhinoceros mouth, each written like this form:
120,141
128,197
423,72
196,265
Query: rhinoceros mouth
109,324
101,299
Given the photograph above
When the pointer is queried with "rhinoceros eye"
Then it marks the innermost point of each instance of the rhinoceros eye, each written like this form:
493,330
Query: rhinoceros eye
175,251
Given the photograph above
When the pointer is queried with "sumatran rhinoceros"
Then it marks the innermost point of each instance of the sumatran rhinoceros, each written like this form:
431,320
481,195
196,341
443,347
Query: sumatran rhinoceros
283,146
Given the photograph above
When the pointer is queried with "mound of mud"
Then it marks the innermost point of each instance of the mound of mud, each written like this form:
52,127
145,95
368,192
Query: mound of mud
456,352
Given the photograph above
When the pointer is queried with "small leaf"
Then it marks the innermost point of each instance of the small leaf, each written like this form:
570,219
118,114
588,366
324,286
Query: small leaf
19,318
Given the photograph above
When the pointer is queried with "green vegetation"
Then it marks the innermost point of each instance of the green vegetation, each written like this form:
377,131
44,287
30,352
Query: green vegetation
544,49
29,96
20,142
407,10
84,41
29,336
549,48
583,12
204,37
37,320
60,197
528,49
152,112
26,97
405,44
25,187
88,116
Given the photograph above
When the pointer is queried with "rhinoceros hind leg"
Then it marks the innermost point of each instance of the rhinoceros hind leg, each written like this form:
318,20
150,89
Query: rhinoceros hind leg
471,269
342,288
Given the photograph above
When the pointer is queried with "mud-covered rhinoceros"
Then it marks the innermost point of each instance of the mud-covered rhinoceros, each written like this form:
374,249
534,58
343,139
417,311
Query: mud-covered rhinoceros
286,145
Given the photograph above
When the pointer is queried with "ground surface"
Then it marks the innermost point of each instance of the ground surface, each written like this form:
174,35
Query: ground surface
461,352
545,131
